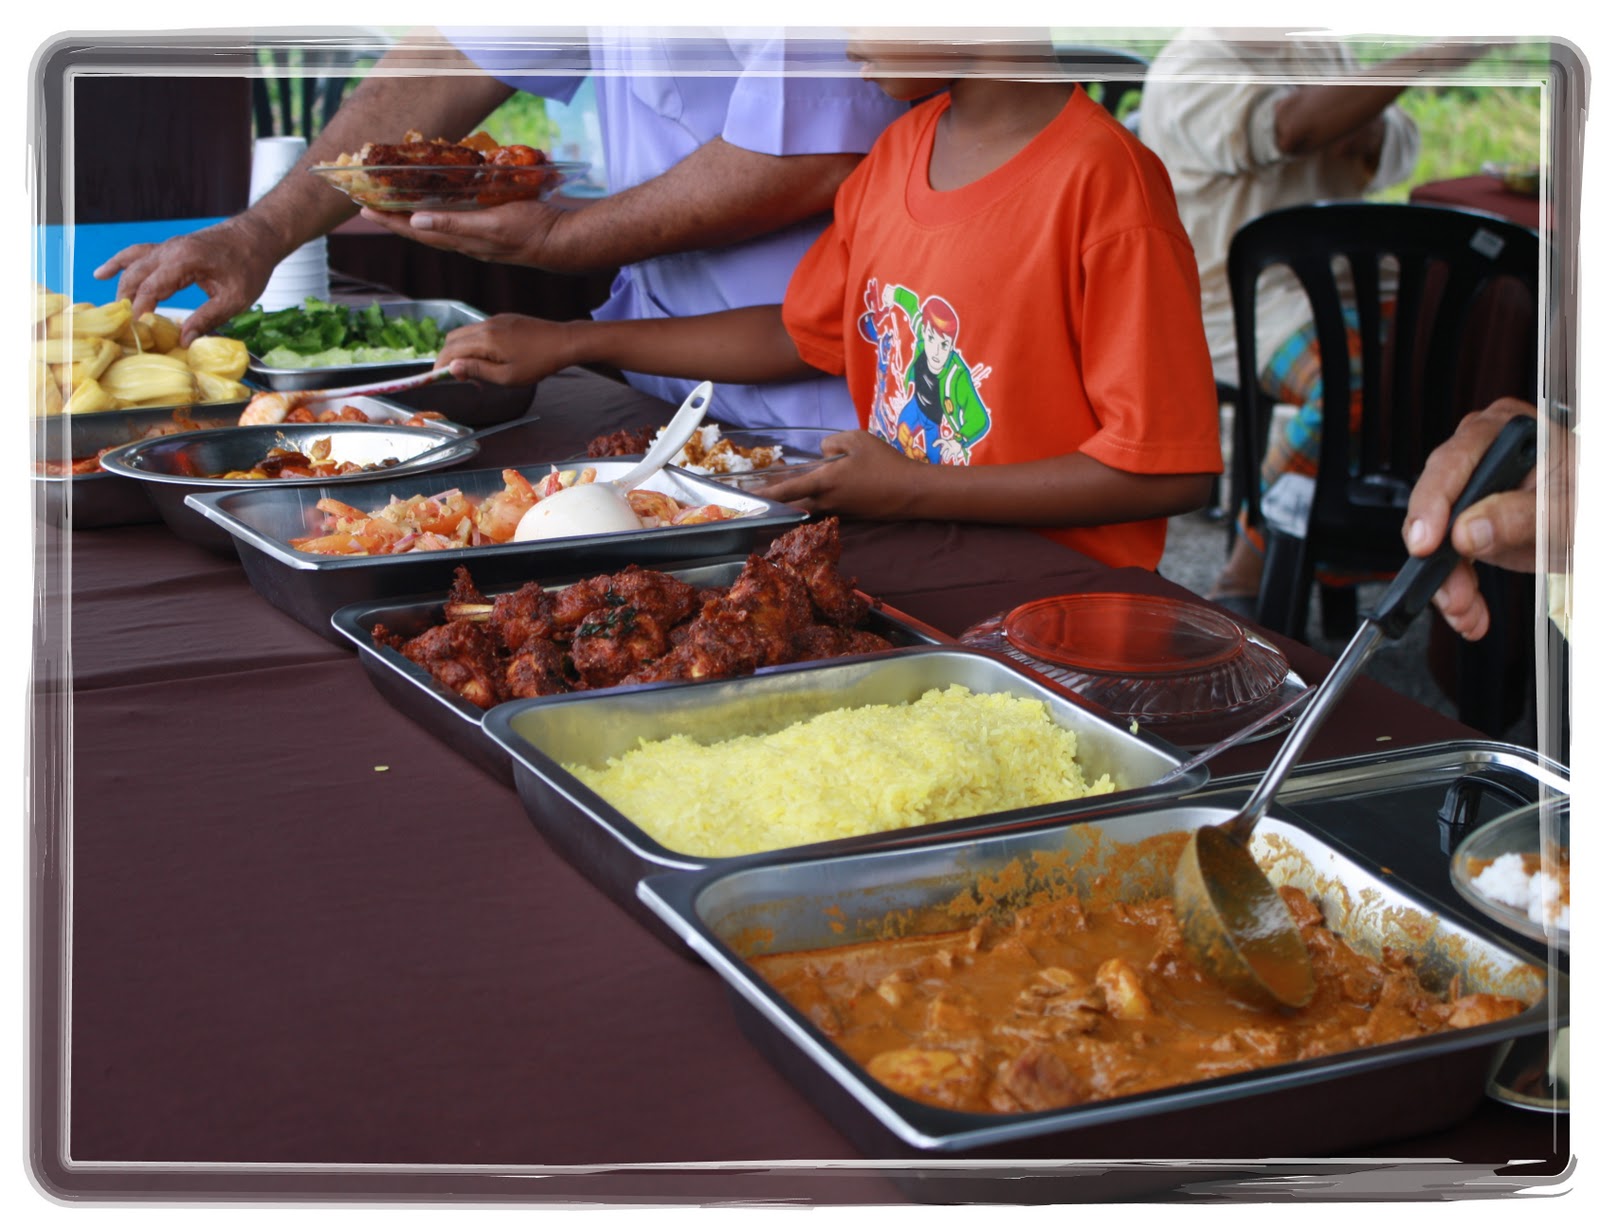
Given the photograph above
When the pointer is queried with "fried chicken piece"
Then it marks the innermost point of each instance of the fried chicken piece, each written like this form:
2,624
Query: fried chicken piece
463,591
626,442
665,598
522,616
383,637
461,656
577,601
776,602
612,644
811,551
541,668
820,642
723,642
757,623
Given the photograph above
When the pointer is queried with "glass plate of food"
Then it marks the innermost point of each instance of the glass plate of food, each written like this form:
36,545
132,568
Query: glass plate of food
746,458
1516,869
408,188
417,173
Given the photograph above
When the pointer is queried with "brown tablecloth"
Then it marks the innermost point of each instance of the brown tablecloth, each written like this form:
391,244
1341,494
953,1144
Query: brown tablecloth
265,964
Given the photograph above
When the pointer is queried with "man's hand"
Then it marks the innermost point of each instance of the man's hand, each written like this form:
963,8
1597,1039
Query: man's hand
231,261
1499,529
517,232
422,83
508,349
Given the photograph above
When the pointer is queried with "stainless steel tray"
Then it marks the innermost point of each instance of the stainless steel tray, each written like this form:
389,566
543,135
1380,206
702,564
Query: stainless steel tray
446,313
107,500
1303,1108
163,465
458,722
614,853
310,587
62,436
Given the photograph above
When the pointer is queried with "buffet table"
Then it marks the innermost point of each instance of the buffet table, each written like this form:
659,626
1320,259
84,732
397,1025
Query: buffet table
289,944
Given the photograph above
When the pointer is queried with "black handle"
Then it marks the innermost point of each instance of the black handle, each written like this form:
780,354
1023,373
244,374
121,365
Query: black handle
1509,459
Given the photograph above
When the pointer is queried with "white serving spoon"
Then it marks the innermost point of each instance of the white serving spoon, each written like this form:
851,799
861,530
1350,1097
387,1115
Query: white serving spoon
602,507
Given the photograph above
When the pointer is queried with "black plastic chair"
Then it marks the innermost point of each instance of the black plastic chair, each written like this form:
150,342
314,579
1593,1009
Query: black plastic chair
1463,332
1110,76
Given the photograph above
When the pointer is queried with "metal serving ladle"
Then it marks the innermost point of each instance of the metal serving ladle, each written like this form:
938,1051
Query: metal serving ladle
1235,924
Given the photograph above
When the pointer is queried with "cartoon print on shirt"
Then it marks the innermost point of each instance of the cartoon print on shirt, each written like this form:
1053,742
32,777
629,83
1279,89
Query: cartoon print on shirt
925,401
887,325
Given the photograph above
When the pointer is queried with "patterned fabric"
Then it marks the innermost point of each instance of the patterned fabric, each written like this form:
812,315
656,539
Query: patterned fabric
1293,376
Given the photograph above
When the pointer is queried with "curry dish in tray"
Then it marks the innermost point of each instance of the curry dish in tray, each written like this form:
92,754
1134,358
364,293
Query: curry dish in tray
1065,1002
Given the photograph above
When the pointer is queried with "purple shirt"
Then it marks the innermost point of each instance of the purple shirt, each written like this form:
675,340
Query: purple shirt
660,99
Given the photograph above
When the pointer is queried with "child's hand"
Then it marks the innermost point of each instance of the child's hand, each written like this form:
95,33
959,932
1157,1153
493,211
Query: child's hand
506,349
872,480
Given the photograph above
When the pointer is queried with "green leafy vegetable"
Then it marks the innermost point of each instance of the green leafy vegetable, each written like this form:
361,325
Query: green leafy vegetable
317,327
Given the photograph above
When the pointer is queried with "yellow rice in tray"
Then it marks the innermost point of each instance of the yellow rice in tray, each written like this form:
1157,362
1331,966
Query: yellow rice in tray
848,772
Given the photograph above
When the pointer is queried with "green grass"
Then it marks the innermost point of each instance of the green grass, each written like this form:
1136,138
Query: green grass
1462,127
521,120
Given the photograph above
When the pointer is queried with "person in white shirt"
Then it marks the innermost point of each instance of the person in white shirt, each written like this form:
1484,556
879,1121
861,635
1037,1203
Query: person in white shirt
1248,124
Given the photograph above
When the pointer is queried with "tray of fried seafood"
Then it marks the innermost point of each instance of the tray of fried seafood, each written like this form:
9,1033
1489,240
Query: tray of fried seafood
1027,992
447,659
922,741
74,490
311,551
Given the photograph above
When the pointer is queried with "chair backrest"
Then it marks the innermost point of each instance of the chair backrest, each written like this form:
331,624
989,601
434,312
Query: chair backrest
1436,354
1110,76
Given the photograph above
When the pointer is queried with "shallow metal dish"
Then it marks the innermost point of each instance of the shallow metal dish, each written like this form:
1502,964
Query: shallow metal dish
1300,1108
163,466
106,500
458,722
310,587
446,313
588,728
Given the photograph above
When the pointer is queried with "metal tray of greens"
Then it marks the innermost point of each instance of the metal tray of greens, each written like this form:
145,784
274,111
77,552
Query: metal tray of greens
319,329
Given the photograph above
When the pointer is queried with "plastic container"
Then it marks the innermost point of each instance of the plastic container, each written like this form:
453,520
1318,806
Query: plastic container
1155,660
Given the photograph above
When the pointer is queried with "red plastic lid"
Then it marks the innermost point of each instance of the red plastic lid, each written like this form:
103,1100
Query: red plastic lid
1154,658
1124,633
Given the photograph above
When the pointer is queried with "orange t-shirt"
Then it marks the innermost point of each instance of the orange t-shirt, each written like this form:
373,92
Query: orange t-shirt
1051,307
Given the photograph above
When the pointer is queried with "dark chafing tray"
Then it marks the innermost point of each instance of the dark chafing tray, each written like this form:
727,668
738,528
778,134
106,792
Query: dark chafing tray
1306,1108
310,587
459,723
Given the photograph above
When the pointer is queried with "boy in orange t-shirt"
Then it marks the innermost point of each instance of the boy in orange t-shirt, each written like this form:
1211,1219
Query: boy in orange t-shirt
1011,297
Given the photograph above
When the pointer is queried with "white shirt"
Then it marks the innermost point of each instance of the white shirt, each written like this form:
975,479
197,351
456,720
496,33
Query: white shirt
1209,112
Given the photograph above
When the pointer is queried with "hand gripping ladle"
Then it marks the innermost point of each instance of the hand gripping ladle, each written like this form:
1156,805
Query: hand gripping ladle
1235,925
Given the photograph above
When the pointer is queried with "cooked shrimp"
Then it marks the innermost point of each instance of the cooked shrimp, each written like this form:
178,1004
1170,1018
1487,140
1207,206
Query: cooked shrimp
499,514
271,408
650,505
